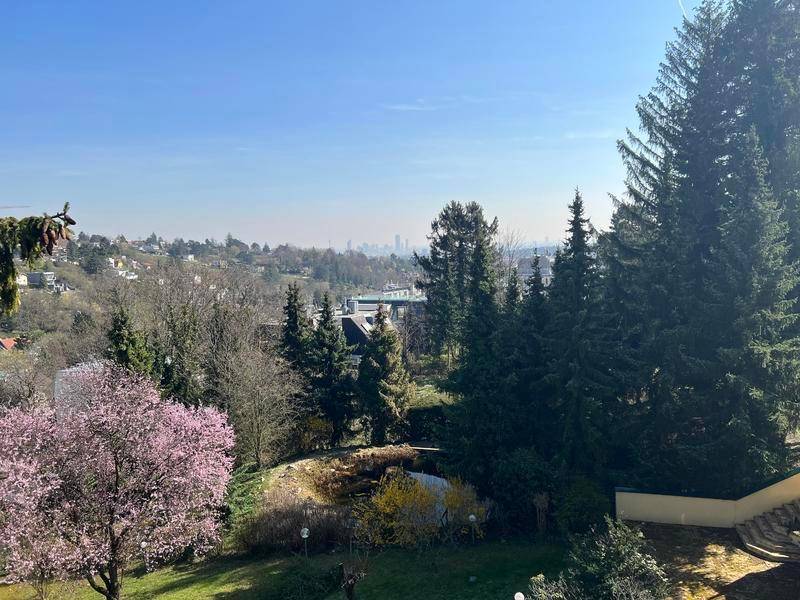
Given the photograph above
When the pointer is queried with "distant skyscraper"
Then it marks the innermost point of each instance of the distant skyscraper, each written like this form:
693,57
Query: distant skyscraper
406,244
397,246
349,245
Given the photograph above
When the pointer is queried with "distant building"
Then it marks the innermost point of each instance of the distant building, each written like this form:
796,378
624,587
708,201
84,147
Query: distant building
7,344
397,247
22,280
356,330
42,279
525,268
125,274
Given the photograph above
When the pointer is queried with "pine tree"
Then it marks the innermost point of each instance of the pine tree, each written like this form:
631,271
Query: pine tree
680,271
758,351
531,412
580,371
761,64
128,345
385,387
478,420
329,369
296,328
177,359
446,277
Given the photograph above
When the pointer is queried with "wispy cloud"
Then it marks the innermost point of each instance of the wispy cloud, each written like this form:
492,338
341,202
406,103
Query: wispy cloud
416,106
69,173
683,9
599,134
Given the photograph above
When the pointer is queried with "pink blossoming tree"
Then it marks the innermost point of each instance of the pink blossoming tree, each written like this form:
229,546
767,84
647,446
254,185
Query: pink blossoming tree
112,474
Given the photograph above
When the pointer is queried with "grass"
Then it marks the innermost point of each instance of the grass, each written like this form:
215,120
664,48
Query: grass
501,569
428,395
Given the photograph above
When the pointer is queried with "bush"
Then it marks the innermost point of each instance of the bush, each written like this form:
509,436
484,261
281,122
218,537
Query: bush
314,433
582,506
276,525
610,563
517,479
461,501
401,512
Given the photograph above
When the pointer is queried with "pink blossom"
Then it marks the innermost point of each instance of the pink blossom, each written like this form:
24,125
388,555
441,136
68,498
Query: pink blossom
112,474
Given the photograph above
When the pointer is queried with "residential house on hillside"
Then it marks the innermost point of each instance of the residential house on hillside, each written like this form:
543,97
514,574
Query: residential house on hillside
525,268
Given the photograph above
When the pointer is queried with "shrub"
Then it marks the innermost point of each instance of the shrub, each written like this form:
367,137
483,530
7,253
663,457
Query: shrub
401,512
582,506
461,501
610,563
517,479
314,433
276,525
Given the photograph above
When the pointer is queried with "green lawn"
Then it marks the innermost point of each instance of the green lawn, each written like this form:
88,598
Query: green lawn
443,574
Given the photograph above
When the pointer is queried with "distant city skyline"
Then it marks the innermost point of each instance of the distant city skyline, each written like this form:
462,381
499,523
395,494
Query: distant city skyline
263,119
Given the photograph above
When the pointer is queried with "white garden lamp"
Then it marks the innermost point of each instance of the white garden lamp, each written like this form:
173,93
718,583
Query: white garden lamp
519,596
472,520
304,532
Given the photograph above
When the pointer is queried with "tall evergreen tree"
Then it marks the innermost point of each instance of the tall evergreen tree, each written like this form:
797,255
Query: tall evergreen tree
580,371
296,328
177,360
446,271
385,387
761,67
478,419
758,351
532,414
679,262
329,369
128,345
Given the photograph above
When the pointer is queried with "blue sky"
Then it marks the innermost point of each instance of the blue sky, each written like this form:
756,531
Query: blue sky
315,121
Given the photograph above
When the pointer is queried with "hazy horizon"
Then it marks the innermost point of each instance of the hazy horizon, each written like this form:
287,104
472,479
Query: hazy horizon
268,122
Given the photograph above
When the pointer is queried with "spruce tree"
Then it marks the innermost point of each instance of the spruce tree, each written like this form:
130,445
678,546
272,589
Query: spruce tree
679,262
128,345
532,413
296,328
478,419
580,371
758,350
383,383
446,270
177,358
761,66
329,370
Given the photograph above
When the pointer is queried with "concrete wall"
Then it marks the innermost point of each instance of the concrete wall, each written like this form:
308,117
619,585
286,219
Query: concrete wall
768,498
707,512
675,510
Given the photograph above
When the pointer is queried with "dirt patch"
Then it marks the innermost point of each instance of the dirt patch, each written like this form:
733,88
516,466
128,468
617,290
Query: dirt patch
709,564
